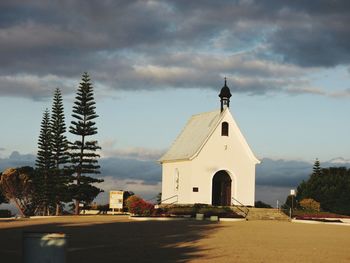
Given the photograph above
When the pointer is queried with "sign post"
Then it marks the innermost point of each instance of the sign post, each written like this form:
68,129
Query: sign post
116,200
292,193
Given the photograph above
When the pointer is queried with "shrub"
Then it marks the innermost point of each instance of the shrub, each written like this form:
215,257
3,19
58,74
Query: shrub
198,206
103,208
4,213
126,196
130,200
138,206
182,210
205,209
310,204
216,211
261,204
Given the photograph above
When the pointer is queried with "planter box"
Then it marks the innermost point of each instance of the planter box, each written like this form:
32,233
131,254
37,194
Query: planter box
199,216
214,218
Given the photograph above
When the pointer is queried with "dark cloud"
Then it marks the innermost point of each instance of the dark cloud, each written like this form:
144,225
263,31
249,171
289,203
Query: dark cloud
275,178
259,45
272,194
290,173
318,43
282,173
131,169
122,168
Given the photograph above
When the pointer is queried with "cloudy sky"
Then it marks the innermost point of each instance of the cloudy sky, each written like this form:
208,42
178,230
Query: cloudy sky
155,63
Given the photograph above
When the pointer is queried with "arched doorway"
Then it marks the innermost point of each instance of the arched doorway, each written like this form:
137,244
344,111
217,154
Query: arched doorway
221,189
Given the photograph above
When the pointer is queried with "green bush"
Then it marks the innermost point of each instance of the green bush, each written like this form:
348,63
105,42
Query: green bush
215,211
261,204
198,206
205,209
4,213
310,204
182,210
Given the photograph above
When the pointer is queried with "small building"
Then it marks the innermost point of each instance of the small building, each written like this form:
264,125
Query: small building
210,161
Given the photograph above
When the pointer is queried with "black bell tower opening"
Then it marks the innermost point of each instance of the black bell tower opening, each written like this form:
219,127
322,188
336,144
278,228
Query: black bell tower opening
221,189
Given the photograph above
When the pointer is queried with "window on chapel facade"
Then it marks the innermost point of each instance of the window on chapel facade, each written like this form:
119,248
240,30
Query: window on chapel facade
224,129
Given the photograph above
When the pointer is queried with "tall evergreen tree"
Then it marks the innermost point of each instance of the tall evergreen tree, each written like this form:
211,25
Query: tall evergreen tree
59,141
84,158
317,167
44,163
306,189
44,158
60,155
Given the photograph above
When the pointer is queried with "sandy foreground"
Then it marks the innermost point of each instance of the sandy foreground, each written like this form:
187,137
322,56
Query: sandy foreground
119,239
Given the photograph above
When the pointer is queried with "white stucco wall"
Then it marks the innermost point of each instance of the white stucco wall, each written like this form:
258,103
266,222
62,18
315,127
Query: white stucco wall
218,153
169,192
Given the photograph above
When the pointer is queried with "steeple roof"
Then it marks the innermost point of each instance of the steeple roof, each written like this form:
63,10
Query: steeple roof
225,91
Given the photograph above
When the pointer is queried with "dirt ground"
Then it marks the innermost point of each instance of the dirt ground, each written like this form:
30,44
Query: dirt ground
118,239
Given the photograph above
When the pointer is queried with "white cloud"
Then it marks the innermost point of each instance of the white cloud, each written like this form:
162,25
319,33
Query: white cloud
110,149
34,86
340,94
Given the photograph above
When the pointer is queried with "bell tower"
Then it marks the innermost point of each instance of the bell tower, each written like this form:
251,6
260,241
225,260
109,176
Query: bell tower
225,96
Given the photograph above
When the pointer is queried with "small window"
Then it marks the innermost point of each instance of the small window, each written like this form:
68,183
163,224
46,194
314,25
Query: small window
224,129
195,189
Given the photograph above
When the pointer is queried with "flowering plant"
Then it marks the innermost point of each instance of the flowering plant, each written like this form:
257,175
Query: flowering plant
138,206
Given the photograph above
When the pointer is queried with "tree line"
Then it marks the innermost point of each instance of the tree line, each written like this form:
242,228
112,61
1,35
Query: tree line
327,187
62,167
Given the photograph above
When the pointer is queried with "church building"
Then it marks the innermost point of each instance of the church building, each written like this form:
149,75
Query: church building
210,161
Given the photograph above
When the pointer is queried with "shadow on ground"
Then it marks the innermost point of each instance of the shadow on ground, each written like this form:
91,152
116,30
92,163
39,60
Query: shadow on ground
150,241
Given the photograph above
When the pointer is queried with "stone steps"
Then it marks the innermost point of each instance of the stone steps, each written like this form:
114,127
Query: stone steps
264,214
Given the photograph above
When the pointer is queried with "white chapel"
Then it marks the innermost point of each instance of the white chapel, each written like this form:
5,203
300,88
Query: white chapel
210,162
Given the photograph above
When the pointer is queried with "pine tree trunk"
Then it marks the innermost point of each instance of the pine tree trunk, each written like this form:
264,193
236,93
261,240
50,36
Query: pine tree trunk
77,202
57,209
77,208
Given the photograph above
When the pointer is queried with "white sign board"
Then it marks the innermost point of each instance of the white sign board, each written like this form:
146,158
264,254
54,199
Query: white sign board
292,192
116,199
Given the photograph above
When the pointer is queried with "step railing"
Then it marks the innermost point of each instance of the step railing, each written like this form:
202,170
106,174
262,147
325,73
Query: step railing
169,198
151,200
287,210
241,207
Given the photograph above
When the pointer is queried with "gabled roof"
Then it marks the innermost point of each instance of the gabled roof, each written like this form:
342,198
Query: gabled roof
196,133
193,136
